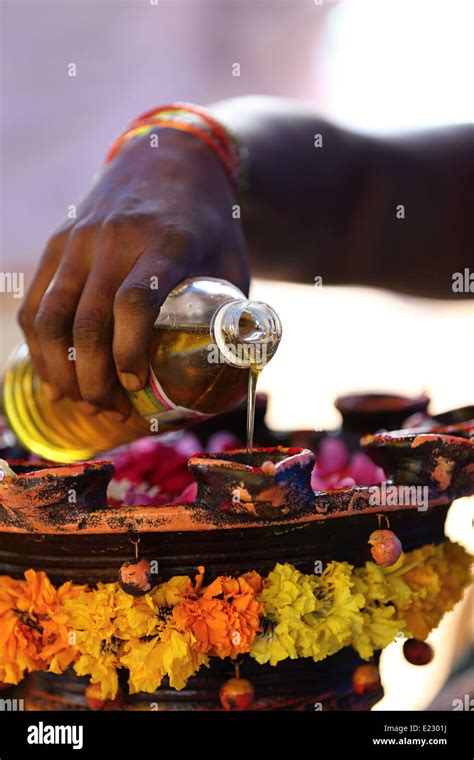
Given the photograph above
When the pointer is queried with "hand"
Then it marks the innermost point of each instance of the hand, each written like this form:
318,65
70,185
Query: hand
155,212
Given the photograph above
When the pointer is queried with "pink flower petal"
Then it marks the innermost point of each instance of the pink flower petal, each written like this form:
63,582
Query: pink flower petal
332,455
189,494
365,472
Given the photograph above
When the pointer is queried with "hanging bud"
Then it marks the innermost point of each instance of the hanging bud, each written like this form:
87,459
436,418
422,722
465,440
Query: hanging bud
135,577
385,547
236,694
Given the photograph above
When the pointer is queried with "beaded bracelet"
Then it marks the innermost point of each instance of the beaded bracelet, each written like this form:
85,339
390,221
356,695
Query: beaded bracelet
194,120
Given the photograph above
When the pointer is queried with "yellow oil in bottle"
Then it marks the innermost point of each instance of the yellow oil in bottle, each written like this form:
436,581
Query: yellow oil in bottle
58,431
180,361
202,362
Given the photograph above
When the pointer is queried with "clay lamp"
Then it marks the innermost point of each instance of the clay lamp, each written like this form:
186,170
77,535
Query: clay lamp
443,463
369,412
454,420
59,493
269,482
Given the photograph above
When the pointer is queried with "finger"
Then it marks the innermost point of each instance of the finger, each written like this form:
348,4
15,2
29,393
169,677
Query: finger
26,316
55,316
94,327
137,304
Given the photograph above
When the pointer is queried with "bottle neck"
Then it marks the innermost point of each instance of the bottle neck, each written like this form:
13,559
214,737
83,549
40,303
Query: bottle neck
247,333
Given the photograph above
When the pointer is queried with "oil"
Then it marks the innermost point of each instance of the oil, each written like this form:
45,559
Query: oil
254,373
208,347
180,361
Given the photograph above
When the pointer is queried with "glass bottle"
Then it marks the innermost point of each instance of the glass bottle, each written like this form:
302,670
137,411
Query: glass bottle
206,341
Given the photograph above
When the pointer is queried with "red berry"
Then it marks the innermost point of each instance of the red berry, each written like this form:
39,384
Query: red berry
135,577
366,679
417,652
93,697
385,547
236,694
95,702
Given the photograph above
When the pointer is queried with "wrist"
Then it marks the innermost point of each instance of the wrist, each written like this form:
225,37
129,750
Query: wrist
191,120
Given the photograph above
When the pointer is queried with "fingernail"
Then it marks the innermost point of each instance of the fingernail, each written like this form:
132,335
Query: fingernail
130,381
53,393
113,416
87,408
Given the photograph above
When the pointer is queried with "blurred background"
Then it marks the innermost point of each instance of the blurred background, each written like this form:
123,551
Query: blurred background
371,65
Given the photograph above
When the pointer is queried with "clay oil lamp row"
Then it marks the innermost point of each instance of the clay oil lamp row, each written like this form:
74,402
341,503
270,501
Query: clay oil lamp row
266,484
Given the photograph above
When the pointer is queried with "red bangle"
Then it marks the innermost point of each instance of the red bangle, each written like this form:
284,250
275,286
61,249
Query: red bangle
216,137
217,128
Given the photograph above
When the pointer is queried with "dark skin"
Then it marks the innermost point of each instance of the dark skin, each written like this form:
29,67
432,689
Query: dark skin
166,212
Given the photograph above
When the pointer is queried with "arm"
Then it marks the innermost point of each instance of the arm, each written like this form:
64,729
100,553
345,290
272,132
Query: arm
332,210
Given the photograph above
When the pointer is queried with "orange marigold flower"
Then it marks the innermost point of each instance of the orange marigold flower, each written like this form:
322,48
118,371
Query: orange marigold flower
33,627
224,617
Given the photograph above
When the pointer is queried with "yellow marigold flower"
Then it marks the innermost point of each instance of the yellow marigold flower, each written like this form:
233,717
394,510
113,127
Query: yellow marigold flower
332,627
92,616
102,670
172,591
422,585
381,584
437,577
172,654
94,610
315,615
289,592
277,644
135,617
380,628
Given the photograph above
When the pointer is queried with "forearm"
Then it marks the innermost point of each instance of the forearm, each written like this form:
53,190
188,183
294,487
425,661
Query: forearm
388,213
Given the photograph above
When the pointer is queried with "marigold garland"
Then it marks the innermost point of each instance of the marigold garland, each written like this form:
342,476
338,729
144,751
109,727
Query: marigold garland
174,629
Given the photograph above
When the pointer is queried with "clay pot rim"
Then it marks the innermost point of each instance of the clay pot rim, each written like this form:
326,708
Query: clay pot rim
412,438
452,429
290,455
179,518
351,403
54,469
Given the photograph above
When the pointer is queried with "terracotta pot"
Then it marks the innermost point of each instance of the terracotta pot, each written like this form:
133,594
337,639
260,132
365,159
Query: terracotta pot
224,546
276,518
59,493
443,463
369,412
267,482
461,420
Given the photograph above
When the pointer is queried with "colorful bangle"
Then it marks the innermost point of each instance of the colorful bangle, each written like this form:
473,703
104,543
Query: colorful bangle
193,120
223,135
145,127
